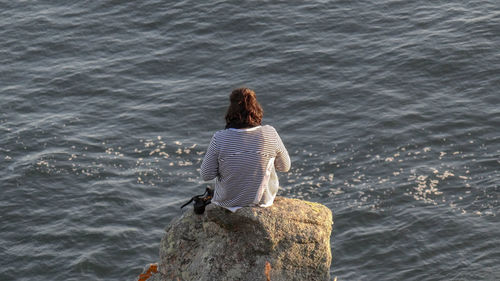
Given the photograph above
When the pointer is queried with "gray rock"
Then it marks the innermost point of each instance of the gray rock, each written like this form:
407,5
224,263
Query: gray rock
290,238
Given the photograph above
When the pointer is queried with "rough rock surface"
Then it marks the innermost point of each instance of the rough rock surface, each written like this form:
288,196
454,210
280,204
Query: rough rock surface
291,239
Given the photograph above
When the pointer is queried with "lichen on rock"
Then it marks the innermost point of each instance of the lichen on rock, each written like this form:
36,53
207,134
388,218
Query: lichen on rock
288,241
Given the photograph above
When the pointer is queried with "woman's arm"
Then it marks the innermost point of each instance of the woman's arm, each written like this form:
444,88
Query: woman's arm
210,165
282,161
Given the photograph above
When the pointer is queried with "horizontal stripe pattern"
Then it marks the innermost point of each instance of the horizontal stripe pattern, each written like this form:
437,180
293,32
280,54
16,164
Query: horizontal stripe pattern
238,158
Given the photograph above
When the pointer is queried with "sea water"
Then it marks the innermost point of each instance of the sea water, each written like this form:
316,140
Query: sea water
390,111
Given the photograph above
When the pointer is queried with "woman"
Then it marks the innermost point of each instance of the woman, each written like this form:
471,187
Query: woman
243,157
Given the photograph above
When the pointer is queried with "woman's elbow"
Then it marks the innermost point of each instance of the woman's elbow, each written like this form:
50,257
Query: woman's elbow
283,167
283,163
206,176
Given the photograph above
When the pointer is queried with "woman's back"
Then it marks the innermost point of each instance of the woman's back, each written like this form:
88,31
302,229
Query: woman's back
242,160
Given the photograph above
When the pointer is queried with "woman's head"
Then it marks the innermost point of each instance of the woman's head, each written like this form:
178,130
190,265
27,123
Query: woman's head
244,110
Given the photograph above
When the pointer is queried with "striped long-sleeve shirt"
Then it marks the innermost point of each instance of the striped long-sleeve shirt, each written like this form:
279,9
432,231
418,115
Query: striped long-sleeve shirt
243,163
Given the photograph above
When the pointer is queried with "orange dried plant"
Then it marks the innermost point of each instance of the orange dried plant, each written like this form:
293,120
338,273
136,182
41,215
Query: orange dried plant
267,271
153,268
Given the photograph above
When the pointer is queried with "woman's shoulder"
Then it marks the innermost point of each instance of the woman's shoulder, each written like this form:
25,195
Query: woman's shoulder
269,128
220,132
223,133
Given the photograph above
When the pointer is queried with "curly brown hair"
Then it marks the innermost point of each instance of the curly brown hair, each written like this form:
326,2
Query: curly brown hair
244,110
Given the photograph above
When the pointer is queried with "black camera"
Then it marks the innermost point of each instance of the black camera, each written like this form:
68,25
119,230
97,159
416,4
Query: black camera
200,201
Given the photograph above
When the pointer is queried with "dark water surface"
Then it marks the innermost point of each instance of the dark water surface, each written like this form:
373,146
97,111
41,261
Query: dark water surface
390,111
